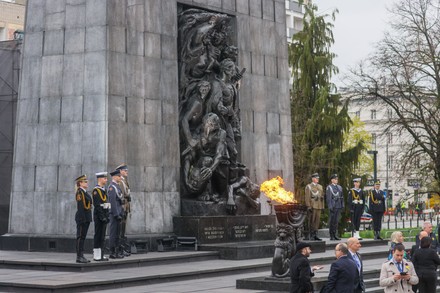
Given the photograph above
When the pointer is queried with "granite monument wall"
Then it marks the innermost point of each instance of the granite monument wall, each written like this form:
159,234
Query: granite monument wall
100,87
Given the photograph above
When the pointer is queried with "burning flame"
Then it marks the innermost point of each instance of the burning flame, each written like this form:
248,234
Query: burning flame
274,190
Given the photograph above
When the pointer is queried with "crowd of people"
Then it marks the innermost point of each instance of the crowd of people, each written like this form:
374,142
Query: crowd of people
111,205
406,270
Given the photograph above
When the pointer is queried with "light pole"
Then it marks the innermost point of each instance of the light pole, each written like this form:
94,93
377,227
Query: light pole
374,153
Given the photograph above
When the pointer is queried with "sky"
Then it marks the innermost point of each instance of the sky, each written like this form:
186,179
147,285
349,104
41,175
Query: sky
358,26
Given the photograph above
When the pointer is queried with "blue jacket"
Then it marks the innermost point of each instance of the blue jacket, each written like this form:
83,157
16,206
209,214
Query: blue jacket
342,277
114,193
334,197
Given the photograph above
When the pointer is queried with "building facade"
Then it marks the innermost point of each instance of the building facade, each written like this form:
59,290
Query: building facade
12,14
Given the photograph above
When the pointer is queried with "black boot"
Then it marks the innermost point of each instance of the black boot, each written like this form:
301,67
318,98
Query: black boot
120,253
103,258
378,235
315,236
336,237
113,253
332,236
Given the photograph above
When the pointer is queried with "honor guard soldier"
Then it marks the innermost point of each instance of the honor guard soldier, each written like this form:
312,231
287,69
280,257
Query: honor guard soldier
83,216
314,196
335,203
356,203
116,213
125,187
377,208
100,216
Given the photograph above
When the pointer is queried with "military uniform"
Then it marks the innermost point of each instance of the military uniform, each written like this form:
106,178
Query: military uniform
83,217
125,188
356,203
116,214
314,199
335,203
100,217
377,208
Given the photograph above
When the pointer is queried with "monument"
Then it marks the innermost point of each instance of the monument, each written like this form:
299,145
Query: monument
100,87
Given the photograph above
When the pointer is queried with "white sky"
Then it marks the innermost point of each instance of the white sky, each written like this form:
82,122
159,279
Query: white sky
358,26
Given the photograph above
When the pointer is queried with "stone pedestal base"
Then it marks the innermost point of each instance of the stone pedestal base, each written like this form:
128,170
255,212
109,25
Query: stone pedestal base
223,229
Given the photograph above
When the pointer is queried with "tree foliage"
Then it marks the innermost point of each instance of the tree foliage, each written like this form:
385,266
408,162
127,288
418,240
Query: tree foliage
319,117
404,73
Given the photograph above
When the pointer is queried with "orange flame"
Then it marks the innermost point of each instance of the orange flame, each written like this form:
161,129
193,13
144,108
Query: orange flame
274,190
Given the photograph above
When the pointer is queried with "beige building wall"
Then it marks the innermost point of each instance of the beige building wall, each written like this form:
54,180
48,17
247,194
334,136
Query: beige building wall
11,18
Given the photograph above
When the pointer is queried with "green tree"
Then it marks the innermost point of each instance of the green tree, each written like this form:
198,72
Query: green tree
319,116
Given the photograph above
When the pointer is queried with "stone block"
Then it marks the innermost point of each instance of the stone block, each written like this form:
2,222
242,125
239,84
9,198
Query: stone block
75,2
136,176
202,2
117,146
269,42
287,160
52,76
261,156
283,68
284,96
135,16
116,11
170,142
285,124
54,42
35,20
45,207
117,74
136,223
95,108
66,205
74,41
45,180
135,144
135,110
75,16
116,39
22,222
96,12
258,93
256,9
153,112
24,178
70,147
66,175
214,3
280,12
274,152
270,66
117,109
154,148
28,111
243,6
25,148
135,76
243,34
152,45
260,122
271,87
94,143
135,42
170,115
257,39
95,73
169,47
153,19
153,179
50,110
71,109
96,38
268,10
247,120
281,36
248,156
169,80
273,123
54,6
48,140
154,218
257,64
152,68
171,179
55,21
228,5
169,18
73,75
33,44
171,209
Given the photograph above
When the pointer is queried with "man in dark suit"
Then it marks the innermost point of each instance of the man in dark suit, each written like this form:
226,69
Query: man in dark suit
427,227
300,270
343,272
354,245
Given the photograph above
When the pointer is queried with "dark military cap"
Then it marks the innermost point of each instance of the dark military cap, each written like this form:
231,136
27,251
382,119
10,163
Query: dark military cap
122,167
315,175
101,174
117,172
81,178
334,176
357,180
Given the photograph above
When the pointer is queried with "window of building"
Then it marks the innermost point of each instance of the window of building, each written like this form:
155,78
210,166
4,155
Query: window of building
390,162
373,114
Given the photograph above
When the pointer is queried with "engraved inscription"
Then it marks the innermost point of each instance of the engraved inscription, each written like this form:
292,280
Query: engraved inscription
214,232
265,228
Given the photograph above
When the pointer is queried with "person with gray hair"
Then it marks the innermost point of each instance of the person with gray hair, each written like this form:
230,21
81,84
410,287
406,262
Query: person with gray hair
343,272
427,226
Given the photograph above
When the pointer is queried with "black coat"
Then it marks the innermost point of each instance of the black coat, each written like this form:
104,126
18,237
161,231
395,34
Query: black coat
99,198
425,261
342,276
300,274
84,206
359,281
378,205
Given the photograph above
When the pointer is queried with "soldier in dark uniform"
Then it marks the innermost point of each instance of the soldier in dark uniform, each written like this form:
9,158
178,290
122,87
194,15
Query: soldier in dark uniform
116,214
377,208
83,216
335,203
100,216
126,200
356,203
314,196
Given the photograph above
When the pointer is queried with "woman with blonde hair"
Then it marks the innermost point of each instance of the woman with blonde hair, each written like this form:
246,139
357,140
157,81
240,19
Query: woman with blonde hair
396,237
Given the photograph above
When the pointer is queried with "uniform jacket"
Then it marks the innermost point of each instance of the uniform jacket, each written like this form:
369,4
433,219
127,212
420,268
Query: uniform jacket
377,201
342,277
401,286
300,274
314,196
84,206
125,188
334,197
114,197
99,198
359,281
355,198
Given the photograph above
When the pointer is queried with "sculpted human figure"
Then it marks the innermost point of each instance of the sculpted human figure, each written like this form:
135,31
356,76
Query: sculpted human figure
244,197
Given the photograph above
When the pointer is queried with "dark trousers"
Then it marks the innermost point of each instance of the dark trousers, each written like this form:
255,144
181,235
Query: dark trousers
115,231
99,238
377,220
427,282
356,216
335,214
81,233
123,226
